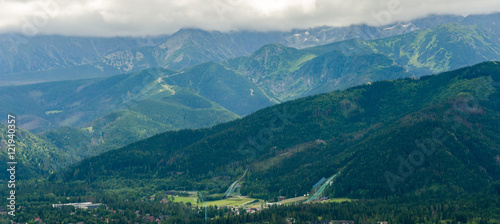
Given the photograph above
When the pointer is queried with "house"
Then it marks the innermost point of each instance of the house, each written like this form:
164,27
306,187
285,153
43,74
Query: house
272,204
333,222
149,218
83,205
343,222
290,220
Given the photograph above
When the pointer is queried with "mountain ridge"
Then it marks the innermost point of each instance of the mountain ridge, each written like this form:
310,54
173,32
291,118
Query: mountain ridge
178,51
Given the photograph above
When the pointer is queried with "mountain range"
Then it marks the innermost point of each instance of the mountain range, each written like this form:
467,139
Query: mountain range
27,59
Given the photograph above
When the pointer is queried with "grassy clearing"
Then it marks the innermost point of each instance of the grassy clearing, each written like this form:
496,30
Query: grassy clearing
296,65
258,204
338,200
231,202
191,199
294,200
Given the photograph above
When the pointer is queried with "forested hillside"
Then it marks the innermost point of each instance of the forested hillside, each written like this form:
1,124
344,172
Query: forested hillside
36,157
441,129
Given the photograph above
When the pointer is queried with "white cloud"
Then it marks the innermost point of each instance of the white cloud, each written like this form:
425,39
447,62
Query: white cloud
155,17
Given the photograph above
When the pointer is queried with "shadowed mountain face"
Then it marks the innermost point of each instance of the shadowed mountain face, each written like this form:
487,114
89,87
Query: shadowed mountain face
287,73
435,134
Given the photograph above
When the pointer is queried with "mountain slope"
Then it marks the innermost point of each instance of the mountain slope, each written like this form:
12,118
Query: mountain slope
36,158
360,133
75,103
287,73
440,49
223,86
87,117
20,53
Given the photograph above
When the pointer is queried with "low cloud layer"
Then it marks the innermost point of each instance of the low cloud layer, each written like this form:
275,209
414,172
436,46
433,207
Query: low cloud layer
156,17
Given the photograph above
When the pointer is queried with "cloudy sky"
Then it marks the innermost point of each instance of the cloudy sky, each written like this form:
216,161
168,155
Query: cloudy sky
155,17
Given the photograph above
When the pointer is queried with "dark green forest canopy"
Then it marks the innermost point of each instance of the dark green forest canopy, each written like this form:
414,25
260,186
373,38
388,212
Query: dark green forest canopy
365,133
